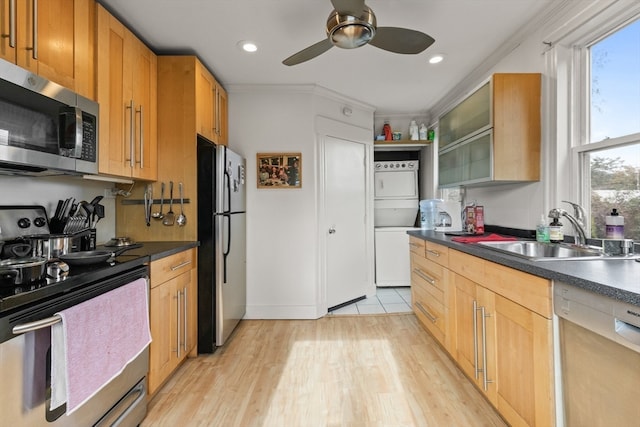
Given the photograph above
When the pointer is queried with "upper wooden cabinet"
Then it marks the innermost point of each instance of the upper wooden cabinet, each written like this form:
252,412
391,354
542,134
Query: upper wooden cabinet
52,38
211,108
127,93
494,134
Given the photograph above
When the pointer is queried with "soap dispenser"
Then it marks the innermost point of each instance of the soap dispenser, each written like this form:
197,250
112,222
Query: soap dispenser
542,230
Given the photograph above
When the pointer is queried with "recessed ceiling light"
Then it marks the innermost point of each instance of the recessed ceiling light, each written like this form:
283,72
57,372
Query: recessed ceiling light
247,46
437,58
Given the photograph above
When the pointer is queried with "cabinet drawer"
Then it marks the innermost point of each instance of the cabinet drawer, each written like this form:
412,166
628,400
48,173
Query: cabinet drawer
468,266
169,267
429,276
437,253
430,312
417,246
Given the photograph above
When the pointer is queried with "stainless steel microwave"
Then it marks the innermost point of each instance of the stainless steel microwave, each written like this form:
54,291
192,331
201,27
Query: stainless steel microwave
45,129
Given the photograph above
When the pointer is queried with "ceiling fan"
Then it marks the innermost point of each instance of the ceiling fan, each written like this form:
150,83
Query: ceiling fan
352,24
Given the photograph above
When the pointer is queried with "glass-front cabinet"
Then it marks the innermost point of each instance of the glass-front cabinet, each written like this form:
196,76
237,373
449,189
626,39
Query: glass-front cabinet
493,135
471,116
469,162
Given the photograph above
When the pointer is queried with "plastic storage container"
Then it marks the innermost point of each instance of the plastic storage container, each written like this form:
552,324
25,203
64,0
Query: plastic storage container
429,213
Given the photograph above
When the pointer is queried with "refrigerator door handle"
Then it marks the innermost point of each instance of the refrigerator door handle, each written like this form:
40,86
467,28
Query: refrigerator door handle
227,211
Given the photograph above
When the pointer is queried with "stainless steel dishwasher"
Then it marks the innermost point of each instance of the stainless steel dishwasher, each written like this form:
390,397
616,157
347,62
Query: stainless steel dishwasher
600,358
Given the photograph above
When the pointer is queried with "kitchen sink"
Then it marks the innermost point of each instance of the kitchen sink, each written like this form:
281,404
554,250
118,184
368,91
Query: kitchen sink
538,251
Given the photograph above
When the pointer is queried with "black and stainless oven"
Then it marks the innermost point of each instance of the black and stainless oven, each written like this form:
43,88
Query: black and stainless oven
27,312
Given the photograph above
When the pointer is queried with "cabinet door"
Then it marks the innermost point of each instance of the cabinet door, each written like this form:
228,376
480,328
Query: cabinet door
8,43
144,89
205,100
467,163
465,342
113,74
52,38
475,333
471,116
221,116
524,368
163,319
192,313
127,91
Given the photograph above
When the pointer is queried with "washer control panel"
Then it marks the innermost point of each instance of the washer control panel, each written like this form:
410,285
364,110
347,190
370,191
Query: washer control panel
396,165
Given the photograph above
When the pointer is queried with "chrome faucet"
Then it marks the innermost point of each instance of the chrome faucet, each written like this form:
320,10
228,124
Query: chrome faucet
577,221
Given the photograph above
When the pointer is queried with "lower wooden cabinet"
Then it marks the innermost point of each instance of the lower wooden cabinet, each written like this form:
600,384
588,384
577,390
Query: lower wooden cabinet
496,323
173,315
429,293
505,349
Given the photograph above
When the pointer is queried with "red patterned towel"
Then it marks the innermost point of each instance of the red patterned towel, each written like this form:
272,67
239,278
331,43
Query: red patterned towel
490,238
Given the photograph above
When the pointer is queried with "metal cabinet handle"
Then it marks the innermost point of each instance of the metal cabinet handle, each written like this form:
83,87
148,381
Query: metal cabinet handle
217,117
132,153
424,276
433,319
332,230
141,131
179,266
215,109
34,31
485,380
475,339
12,24
185,303
434,253
178,323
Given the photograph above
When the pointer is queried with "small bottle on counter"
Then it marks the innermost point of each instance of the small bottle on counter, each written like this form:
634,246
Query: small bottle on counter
542,230
555,231
614,225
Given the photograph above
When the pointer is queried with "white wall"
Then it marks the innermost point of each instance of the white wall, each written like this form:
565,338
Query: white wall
283,276
46,191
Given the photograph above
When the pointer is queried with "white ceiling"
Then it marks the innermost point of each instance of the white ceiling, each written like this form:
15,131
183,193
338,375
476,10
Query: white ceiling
466,31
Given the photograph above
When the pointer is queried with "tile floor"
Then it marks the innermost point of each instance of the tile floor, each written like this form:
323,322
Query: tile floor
386,300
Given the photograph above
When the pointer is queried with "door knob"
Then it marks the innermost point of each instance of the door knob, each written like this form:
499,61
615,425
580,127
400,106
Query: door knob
332,230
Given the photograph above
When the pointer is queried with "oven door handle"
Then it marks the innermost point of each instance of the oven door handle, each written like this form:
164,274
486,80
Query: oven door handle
38,324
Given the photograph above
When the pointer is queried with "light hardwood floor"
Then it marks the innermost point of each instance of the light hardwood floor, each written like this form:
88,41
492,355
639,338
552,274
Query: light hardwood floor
382,370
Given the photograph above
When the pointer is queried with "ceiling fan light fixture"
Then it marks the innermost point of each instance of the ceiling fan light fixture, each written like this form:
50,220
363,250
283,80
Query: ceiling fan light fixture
349,32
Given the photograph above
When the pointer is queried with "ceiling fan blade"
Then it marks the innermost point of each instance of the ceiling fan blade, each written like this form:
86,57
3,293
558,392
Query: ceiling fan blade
309,53
401,40
348,7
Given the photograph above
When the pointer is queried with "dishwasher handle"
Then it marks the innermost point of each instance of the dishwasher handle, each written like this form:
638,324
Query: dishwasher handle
628,331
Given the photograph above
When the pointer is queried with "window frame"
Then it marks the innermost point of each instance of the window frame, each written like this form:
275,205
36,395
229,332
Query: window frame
580,102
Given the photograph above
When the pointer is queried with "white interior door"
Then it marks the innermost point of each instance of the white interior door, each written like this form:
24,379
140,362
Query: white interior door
345,220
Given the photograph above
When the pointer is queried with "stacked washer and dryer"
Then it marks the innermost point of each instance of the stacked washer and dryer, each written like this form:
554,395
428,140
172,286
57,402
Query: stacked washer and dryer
396,205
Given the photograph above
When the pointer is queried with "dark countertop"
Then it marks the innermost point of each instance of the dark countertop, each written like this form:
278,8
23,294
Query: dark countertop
619,279
155,250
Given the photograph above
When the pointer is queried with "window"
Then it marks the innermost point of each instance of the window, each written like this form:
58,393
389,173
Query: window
611,151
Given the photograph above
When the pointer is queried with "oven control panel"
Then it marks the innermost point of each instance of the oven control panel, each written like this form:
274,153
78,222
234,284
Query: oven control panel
18,221
396,165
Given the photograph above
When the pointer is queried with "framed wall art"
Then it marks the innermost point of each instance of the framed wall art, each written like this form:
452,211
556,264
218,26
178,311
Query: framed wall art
279,170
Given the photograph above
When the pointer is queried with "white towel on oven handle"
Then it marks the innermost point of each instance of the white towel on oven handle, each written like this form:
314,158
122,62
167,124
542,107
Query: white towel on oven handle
95,341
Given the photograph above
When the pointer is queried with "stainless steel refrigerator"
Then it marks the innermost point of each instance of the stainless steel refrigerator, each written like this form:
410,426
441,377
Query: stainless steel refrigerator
222,235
